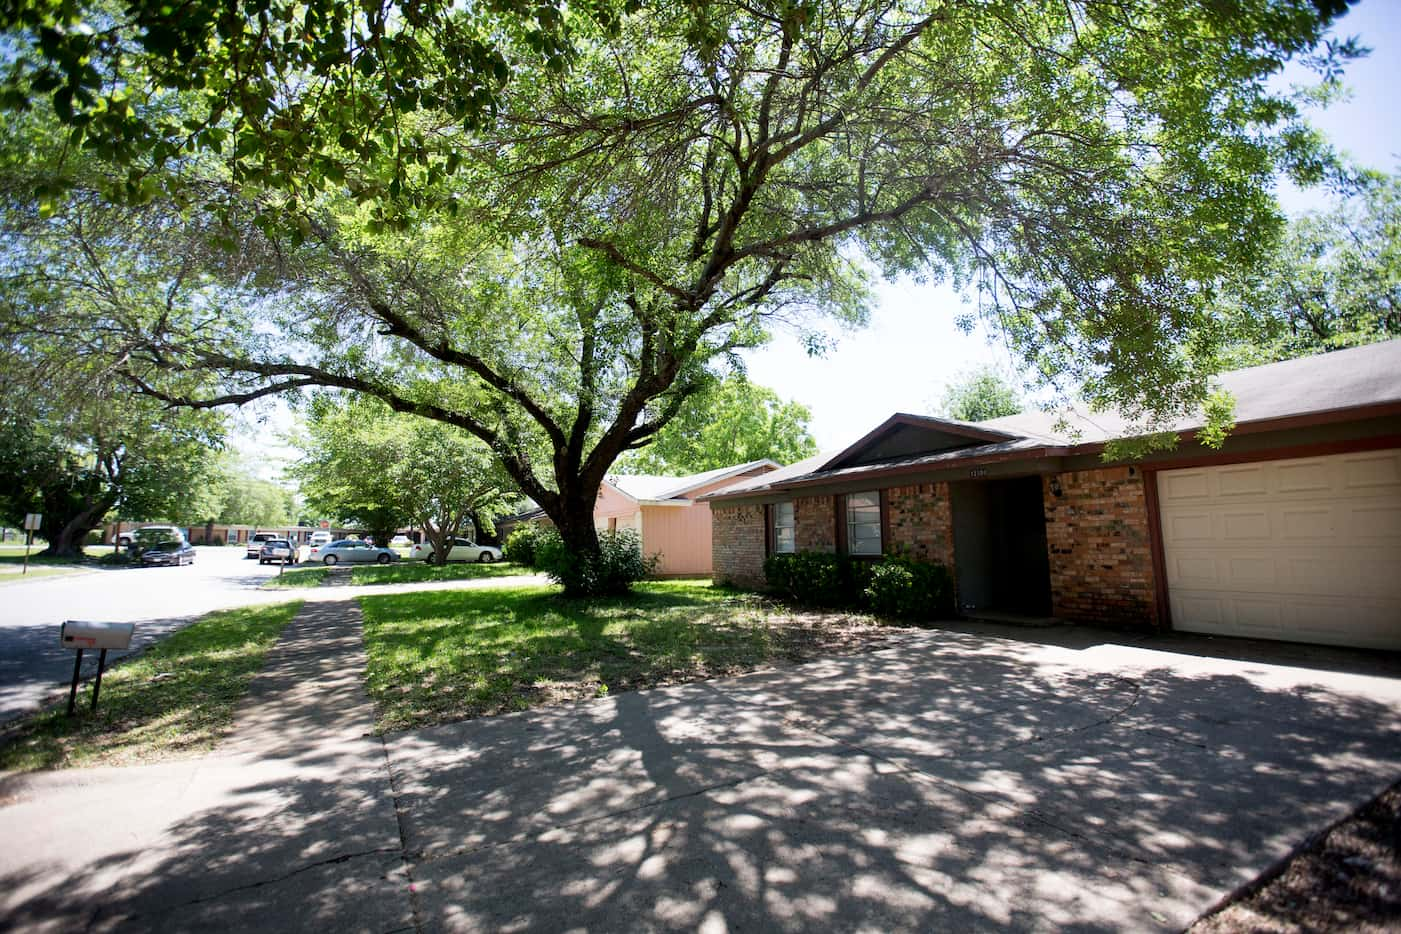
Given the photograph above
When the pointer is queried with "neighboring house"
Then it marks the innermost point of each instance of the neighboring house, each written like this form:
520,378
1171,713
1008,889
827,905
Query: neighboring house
1292,530
664,511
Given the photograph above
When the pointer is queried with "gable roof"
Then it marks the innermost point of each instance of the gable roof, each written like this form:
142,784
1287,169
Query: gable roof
642,487
952,434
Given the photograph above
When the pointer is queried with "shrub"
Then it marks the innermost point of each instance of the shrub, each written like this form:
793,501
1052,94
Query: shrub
909,589
217,540
119,557
520,546
818,578
617,566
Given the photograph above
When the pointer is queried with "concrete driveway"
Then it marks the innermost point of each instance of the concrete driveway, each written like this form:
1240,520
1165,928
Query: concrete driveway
965,780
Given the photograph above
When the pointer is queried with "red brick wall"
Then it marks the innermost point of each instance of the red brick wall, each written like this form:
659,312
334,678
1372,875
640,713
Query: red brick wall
1101,559
737,545
921,522
815,523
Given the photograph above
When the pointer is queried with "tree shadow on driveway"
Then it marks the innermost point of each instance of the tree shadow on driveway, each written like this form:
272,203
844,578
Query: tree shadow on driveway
957,782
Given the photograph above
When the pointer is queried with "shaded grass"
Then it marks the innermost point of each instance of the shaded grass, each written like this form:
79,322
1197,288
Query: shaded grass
452,655
174,699
416,571
14,554
301,577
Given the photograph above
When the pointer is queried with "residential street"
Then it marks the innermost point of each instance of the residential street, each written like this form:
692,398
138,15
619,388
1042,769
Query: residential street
159,600
971,779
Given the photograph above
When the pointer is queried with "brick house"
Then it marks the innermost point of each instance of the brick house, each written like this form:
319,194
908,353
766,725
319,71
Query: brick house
1292,530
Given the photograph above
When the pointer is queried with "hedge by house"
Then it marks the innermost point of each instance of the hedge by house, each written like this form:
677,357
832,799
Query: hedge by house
895,586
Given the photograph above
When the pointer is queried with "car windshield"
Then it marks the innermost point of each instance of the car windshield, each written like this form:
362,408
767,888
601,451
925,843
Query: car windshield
156,537
277,543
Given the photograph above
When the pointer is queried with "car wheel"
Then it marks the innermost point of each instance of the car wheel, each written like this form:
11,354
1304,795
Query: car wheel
329,560
485,558
383,559
430,558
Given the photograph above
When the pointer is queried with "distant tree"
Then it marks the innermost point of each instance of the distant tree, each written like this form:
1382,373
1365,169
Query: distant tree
978,395
131,460
241,498
1334,281
732,422
367,465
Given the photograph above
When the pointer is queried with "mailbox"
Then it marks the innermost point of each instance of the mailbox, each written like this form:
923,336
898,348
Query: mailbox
76,634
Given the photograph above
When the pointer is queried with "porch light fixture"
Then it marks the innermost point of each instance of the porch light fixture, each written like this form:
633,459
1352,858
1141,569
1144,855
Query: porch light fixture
1055,487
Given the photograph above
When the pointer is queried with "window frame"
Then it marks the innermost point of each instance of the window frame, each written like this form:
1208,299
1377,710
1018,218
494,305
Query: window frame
873,509
774,527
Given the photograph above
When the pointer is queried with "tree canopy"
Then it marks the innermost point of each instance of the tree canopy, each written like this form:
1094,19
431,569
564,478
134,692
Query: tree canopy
364,464
560,279
978,395
731,422
1333,281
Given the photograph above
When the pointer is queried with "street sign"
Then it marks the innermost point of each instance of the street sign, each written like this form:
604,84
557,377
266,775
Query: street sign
32,521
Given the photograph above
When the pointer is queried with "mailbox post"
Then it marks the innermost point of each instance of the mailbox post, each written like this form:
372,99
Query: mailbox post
76,634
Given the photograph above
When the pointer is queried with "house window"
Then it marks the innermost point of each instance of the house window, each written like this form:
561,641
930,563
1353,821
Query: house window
863,524
785,541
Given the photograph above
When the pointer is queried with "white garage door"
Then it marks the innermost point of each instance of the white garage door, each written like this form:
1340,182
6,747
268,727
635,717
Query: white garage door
1307,550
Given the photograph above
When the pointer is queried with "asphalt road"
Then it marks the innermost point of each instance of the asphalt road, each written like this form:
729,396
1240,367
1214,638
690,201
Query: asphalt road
159,600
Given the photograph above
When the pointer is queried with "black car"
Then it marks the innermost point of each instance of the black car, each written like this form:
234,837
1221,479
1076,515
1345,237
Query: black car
173,552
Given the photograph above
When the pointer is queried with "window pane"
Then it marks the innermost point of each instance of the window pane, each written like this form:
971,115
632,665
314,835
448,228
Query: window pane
783,514
863,524
783,541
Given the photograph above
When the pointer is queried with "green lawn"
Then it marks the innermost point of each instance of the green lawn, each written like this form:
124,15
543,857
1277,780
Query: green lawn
10,574
14,554
300,577
415,571
449,655
176,698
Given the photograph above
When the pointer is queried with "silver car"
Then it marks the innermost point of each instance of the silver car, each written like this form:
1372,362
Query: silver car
351,551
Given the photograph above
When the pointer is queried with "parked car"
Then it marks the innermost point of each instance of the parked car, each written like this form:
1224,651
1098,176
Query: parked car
153,533
351,551
277,549
320,537
400,541
256,542
463,549
173,551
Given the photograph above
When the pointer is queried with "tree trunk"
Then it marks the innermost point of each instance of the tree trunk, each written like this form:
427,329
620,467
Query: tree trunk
68,542
575,526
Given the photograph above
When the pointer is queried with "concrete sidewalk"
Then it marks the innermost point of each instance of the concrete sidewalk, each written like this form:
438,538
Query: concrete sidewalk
981,779
290,822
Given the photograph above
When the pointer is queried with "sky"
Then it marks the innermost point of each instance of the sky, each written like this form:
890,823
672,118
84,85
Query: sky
912,349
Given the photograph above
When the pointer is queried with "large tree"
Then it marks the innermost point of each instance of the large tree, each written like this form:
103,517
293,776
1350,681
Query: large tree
730,422
362,463
556,281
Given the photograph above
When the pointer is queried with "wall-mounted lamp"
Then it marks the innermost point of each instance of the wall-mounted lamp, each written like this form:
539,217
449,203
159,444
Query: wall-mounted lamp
1055,487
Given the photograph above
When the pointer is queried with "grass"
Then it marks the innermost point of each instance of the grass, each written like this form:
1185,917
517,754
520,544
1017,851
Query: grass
14,554
437,656
301,577
13,575
416,571
174,699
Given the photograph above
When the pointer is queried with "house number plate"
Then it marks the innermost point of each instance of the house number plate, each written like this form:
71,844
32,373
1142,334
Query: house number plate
976,472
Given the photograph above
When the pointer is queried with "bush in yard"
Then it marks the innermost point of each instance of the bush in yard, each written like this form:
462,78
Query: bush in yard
617,566
908,589
818,578
520,546
217,540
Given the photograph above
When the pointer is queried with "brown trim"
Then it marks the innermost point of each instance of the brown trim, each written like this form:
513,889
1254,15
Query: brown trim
1156,552
876,473
768,529
1320,449
839,516
884,520
903,419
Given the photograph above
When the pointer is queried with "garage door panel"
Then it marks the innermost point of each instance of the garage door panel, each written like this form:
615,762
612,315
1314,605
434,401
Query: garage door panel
1370,471
1184,486
1303,477
1306,549
1245,526
1241,481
